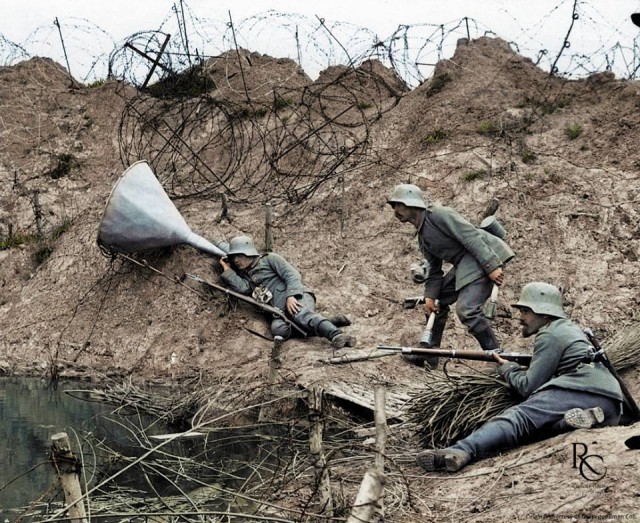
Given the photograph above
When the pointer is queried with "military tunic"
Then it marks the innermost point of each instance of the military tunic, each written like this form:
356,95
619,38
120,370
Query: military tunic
559,378
445,236
284,281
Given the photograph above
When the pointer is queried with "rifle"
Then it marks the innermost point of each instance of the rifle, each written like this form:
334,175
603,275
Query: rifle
413,302
602,357
247,299
478,355
390,350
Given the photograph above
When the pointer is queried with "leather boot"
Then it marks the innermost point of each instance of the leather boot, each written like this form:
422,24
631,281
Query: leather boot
451,460
341,340
487,340
584,418
340,320
326,329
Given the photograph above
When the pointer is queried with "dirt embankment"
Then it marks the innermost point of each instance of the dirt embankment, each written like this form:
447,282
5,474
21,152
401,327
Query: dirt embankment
560,156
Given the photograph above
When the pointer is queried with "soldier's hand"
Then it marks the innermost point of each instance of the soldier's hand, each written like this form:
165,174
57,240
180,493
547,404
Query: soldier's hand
224,263
501,361
431,305
497,276
293,305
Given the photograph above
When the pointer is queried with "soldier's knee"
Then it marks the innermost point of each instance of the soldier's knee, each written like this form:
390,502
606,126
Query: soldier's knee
281,328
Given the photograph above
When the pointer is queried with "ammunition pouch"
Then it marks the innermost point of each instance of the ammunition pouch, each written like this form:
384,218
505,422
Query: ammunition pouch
262,294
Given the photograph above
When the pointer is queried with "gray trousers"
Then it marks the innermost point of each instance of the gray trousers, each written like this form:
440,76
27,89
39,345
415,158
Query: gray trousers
538,417
469,307
312,322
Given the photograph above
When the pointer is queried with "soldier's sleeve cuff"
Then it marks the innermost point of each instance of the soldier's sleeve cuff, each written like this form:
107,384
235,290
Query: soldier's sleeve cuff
492,265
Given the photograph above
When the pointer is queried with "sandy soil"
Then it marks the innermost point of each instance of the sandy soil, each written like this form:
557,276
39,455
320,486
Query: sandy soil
489,124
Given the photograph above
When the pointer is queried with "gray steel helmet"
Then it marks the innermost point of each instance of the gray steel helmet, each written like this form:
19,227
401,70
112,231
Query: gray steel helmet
242,245
541,298
410,195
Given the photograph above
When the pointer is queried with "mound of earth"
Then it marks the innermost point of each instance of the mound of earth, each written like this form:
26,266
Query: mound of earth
559,155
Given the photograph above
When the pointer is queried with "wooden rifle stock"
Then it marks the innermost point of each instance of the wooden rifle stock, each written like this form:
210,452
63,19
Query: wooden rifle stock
247,299
479,355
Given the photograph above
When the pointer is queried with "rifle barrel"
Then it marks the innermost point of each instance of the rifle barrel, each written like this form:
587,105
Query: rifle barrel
478,355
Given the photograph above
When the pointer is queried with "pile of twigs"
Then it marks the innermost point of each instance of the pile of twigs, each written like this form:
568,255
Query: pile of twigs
451,406
623,348
129,398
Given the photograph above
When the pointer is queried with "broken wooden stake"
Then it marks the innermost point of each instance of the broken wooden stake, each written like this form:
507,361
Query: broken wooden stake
275,362
317,454
369,499
268,234
68,469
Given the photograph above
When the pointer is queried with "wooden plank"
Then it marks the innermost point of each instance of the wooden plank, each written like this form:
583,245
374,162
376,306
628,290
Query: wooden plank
364,397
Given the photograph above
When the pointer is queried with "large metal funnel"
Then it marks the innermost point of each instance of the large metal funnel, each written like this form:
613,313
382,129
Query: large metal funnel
139,215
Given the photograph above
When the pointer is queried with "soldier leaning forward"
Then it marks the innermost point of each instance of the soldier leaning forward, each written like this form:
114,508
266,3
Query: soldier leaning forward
477,257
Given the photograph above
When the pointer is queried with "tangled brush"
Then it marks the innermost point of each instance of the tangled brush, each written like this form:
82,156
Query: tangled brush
451,406
623,348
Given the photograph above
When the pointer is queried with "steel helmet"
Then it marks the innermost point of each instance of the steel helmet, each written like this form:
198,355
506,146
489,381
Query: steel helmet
242,245
410,195
541,298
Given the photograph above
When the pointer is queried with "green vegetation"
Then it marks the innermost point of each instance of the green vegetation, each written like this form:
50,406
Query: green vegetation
434,137
547,106
488,127
572,131
471,176
15,240
66,163
527,156
437,84
281,103
43,245
42,254
97,83
364,106
187,84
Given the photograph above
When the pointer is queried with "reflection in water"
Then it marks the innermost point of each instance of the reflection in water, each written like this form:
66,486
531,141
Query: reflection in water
210,472
32,411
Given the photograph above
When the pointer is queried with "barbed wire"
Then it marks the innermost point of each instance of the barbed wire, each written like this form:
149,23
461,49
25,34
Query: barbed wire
213,118
315,43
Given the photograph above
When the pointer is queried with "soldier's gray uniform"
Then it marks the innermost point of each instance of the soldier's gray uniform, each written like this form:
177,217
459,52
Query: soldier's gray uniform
445,236
559,378
283,280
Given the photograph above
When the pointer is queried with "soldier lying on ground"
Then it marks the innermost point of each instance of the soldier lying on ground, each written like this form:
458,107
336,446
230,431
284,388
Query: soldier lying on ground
477,256
564,388
270,278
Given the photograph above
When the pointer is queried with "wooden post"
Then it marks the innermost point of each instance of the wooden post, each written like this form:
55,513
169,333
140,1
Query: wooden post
275,362
368,501
268,234
343,205
67,467
380,418
317,455
369,504
224,213
37,210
